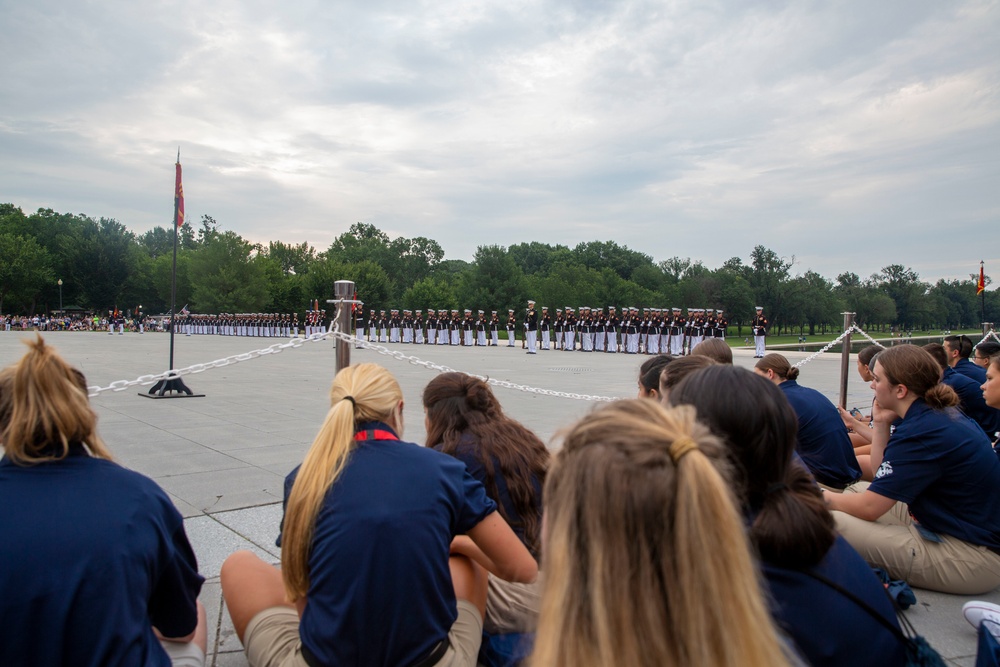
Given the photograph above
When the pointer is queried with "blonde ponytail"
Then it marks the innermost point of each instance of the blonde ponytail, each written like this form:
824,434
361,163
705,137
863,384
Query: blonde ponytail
645,554
359,394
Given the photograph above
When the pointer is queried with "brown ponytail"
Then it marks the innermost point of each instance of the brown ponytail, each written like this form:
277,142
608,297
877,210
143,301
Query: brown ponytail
791,526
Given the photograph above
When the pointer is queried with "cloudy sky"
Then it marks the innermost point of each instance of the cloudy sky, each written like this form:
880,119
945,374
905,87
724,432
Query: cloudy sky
850,134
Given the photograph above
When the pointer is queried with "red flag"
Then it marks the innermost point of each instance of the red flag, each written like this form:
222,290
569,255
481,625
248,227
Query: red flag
179,194
981,285
354,306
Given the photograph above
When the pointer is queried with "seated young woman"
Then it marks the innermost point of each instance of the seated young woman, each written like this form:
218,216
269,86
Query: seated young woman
95,567
823,442
789,525
649,375
628,582
465,420
369,573
860,427
925,518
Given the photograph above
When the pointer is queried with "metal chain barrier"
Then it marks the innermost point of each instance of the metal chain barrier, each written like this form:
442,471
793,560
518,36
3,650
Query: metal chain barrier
122,385
989,334
825,348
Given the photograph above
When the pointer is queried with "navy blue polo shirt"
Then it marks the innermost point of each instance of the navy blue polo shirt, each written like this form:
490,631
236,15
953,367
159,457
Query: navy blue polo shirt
970,370
828,628
822,442
971,395
93,556
941,464
380,591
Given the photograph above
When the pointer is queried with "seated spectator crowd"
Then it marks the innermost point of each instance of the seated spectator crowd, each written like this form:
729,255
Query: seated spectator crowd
687,526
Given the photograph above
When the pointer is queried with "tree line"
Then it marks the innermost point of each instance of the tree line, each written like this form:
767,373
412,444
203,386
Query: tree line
103,265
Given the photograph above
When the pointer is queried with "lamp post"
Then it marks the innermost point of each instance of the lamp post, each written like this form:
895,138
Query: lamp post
59,282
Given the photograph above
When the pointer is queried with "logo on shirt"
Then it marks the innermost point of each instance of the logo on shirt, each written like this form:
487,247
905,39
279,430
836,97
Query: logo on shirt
884,470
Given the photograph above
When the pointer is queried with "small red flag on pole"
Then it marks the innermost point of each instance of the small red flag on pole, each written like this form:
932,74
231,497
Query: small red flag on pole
981,285
179,194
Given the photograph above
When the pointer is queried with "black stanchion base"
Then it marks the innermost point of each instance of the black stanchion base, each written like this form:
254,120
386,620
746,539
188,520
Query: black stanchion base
172,388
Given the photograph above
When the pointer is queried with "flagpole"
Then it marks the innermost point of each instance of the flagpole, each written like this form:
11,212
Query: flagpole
173,273
982,293
174,387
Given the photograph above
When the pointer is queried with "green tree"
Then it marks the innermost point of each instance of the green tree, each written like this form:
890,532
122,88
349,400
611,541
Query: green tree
430,292
24,269
227,276
291,258
597,255
157,241
538,258
904,287
768,275
494,282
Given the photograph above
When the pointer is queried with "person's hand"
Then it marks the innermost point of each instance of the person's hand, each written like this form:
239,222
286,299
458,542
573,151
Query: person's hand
882,415
846,417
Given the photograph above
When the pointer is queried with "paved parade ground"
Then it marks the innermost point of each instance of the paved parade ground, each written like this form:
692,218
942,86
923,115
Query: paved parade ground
223,458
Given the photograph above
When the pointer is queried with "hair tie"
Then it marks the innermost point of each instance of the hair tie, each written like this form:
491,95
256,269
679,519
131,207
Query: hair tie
680,447
351,399
774,488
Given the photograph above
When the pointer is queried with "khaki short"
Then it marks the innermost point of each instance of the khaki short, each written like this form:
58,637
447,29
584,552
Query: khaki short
894,543
272,638
512,607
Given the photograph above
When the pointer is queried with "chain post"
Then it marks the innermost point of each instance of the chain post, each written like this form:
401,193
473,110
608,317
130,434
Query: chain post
845,357
343,290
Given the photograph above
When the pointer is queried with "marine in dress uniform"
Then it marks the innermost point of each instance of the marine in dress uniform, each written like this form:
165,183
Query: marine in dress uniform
759,327
481,329
455,328
570,332
418,327
545,326
468,329
444,328
721,324
511,327
394,325
531,327
559,327
613,325
407,326
494,329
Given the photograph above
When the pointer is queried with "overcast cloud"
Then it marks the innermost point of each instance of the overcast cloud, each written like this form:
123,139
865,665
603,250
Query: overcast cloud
849,135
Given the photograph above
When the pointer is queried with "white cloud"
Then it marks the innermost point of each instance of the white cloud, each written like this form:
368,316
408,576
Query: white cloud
686,128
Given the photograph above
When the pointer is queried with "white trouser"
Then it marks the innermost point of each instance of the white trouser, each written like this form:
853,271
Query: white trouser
532,341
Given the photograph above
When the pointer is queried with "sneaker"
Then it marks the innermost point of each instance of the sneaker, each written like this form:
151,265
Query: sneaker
978,612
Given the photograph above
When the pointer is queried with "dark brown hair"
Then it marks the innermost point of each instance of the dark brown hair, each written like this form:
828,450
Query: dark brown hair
457,404
791,526
867,353
649,372
777,363
961,343
936,350
916,369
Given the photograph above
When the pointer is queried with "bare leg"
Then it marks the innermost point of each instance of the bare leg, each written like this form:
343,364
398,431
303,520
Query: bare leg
249,586
470,581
